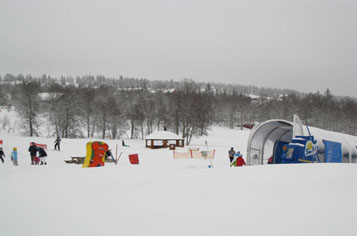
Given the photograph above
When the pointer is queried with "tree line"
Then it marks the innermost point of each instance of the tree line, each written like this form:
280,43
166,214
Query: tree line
133,108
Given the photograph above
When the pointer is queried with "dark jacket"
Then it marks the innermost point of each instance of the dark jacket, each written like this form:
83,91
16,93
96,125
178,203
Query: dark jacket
231,153
2,153
109,153
33,150
42,152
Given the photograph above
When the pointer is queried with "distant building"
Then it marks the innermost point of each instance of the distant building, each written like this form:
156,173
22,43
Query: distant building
163,139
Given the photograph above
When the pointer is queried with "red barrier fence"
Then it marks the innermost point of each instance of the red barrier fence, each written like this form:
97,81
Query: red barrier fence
44,146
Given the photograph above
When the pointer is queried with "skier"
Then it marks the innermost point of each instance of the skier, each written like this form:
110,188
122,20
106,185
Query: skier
43,155
2,155
231,154
123,143
57,143
14,156
238,160
33,152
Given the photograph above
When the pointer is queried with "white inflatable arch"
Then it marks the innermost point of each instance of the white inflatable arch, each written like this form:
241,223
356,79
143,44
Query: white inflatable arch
263,139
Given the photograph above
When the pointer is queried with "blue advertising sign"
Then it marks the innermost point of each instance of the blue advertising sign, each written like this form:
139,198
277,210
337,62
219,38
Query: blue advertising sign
333,151
301,149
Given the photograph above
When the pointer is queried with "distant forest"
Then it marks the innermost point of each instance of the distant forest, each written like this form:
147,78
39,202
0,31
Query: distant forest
97,106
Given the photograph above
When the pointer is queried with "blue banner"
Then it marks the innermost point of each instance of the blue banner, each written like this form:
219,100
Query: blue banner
333,152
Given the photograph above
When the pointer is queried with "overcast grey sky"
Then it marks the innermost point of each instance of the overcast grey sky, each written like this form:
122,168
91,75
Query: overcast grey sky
307,45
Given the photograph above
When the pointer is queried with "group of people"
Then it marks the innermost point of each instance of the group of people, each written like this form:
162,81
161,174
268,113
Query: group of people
13,156
35,160
235,158
39,159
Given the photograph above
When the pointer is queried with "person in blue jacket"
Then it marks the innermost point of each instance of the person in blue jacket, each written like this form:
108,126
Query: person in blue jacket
14,156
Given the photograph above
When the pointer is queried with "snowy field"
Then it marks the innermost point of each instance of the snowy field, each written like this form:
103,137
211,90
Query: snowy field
163,196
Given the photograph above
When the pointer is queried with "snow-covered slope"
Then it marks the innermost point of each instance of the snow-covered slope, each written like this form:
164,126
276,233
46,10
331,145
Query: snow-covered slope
163,196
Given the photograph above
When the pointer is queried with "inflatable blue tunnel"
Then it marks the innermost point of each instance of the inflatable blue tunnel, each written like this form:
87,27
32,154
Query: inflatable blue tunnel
282,142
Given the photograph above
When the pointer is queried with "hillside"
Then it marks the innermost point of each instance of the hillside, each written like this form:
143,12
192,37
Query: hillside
163,196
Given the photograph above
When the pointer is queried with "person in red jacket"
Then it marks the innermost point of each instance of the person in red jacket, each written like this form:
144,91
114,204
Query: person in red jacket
238,160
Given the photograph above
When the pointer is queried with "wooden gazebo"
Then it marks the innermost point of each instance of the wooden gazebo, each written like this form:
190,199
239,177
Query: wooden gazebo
164,139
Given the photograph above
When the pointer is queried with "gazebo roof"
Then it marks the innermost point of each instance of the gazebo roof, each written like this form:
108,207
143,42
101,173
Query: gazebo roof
164,135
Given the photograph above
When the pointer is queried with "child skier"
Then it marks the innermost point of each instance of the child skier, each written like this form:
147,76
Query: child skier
2,155
109,155
14,156
238,160
43,155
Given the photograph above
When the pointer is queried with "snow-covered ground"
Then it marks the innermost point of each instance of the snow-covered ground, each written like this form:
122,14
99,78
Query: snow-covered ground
163,196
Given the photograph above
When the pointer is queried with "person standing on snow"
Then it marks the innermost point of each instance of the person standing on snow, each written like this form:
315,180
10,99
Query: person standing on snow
2,155
43,155
57,143
231,153
14,156
238,160
109,154
33,152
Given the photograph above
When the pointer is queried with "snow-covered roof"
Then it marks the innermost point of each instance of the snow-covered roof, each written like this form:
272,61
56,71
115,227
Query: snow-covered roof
44,96
252,96
49,96
163,135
